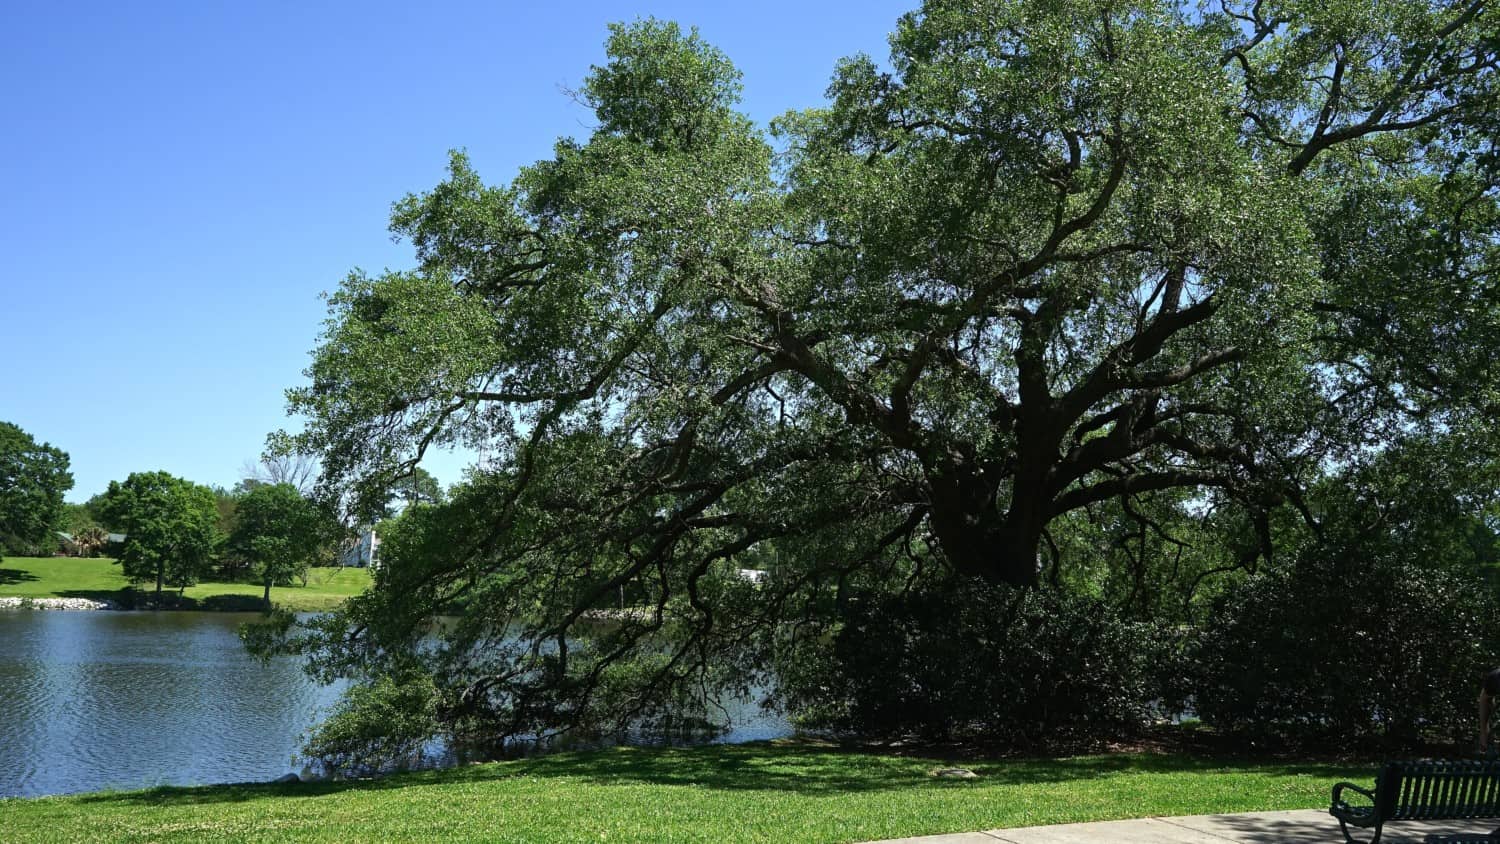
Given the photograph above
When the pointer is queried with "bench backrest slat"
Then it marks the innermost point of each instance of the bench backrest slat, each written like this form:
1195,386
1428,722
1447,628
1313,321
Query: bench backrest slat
1455,782
1464,798
1439,790
1463,791
1442,798
1489,790
1421,792
1432,792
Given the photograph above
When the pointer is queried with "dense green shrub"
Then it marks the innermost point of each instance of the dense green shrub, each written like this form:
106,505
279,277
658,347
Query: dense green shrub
967,660
1339,649
376,726
1375,625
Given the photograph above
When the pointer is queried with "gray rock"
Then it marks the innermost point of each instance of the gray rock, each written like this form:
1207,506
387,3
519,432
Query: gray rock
955,774
287,778
54,604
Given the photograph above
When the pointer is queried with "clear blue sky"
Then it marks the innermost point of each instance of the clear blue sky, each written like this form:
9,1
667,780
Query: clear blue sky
180,181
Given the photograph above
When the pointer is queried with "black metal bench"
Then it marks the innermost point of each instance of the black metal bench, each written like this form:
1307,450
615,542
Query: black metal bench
1423,790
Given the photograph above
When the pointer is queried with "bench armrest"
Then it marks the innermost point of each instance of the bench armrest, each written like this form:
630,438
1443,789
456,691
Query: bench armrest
1358,816
1338,790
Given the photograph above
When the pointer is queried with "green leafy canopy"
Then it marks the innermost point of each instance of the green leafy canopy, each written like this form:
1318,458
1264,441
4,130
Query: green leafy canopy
170,527
280,532
33,478
1054,261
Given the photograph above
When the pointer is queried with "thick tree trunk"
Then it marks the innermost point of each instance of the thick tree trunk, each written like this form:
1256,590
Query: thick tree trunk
268,594
1016,556
160,575
959,522
1019,539
977,540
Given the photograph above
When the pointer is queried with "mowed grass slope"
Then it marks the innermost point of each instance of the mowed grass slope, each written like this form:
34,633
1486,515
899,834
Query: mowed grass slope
101,579
753,793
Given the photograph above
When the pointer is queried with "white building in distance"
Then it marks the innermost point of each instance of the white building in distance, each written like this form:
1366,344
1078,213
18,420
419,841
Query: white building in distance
362,552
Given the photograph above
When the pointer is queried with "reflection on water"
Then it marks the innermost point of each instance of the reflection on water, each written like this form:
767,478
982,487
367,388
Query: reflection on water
94,700
97,700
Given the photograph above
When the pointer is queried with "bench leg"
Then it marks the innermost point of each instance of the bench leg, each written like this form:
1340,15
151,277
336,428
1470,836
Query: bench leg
1350,839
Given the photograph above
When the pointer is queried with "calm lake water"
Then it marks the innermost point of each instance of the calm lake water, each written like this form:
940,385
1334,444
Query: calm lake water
104,700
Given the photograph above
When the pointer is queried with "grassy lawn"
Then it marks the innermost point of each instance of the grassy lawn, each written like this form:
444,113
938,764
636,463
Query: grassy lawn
759,792
100,579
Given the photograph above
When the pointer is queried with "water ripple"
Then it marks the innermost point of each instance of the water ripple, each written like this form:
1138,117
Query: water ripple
96,700
124,700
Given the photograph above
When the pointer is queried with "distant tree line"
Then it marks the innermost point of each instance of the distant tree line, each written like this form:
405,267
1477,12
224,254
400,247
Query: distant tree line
267,529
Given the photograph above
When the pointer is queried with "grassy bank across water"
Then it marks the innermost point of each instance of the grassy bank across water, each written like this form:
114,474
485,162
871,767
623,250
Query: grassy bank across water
100,579
782,792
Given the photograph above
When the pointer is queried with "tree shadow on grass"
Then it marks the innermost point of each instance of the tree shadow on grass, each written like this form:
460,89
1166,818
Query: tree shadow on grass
815,768
228,603
10,577
762,766
130,598
126,598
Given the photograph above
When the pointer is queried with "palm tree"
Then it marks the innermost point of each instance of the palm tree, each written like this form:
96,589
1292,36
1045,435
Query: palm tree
90,540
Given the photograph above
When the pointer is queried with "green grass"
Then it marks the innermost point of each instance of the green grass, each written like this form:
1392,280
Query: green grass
100,579
759,792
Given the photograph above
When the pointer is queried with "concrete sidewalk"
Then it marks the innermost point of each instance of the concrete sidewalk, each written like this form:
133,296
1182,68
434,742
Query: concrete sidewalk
1303,825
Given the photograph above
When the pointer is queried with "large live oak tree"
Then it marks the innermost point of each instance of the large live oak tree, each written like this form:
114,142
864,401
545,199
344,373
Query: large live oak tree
1054,255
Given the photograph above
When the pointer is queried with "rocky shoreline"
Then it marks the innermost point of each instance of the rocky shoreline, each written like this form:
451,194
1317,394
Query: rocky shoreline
54,604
